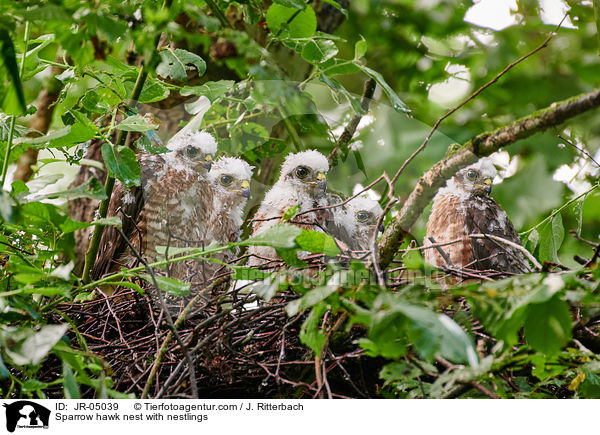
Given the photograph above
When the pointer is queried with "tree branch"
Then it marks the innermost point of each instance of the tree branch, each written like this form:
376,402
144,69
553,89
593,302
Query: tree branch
346,136
481,145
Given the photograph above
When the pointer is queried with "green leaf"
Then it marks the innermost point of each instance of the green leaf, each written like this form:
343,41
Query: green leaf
298,4
28,346
154,92
334,67
397,103
176,63
122,163
336,5
394,323
169,285
278,236
360,48
311,298
136,123
210,90
548,326
310,332
533,240
319,50
78,133
70,385
291,22
290,213
12,100
48,12
552,235
92,102
597,19
267,288
90,189
316,242
34,385
69,226
61,132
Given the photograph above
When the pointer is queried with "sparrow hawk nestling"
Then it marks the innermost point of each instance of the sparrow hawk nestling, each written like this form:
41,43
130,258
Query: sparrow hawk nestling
463,208
354,223
302,183
171,203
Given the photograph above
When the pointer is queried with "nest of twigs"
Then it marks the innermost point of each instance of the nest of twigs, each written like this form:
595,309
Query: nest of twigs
224,347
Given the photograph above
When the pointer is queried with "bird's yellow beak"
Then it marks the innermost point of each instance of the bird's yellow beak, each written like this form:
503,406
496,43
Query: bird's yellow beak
245,189
320,176
487,185
208,162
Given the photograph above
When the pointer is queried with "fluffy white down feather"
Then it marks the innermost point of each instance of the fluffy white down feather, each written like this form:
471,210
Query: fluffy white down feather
287,192
359,233
486,168
202,139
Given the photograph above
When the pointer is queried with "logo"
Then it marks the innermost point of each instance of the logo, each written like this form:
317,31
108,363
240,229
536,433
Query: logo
26,414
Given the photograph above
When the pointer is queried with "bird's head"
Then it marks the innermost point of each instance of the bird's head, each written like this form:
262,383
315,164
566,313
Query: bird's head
193,150
230,177
306,170
477,178
364,214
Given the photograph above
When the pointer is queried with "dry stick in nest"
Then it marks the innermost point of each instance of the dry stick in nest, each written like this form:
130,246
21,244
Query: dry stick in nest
166,312
320,372
161,352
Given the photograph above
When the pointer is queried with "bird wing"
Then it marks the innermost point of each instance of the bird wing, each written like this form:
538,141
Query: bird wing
129,205
485,216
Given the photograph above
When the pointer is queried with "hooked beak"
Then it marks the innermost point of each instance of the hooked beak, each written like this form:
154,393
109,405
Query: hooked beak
321,182
487,185
245,189
207,162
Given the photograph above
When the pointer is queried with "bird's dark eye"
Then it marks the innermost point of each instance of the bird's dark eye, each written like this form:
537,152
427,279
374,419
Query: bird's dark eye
226,180
191,151
302,172
472,174
362,216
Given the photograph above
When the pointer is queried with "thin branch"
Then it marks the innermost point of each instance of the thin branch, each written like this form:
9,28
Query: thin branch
170,323
481,145
581,150
218,13
472,96
348,133
514,245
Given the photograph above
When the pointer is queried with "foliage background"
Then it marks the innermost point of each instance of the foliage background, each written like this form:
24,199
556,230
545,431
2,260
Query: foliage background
275,87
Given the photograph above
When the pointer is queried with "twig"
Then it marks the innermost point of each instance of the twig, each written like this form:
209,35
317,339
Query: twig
218,13
472,96
511,244
481,145
348,133
581,150
170,323
441,252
